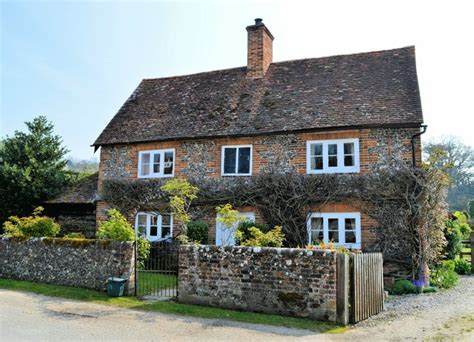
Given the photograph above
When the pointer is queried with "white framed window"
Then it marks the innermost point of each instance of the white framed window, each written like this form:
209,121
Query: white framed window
342,229
156,163
236,160
154,226
332,156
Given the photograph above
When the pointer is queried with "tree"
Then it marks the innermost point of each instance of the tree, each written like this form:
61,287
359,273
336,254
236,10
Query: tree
457,160
31,168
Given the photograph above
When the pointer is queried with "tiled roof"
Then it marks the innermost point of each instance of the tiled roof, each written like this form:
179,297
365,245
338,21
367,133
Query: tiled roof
84,191
367,89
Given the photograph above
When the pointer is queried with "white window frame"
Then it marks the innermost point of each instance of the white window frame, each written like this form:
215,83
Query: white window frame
341,225
162,161
237,160
340,168
159,225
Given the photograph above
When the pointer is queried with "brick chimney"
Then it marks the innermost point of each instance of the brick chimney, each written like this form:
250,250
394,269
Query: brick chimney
259,49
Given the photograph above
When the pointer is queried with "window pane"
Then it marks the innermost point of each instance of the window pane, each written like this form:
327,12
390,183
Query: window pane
333,236
333,224
348,160
317,149
316,163
156,163
141,224
348,148
244,160
153,230
333,230
153,220
316,230
332,149
229,160
350,237
332,161
165,232
169,163
166,219
350,224
145,167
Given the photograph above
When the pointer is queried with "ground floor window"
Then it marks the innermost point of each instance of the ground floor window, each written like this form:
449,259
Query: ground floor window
225,235
342,229
154,226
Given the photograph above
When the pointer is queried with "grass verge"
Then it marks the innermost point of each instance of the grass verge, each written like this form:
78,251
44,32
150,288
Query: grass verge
170,307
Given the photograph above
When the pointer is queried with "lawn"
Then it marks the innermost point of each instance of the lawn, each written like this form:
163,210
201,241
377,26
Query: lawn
171,307
150,282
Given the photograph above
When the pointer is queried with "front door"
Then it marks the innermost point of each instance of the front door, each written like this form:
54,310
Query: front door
225,235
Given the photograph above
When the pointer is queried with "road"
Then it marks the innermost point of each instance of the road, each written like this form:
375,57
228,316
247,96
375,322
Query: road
31,317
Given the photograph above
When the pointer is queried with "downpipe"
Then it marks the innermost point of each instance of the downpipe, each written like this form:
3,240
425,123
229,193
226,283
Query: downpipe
413,148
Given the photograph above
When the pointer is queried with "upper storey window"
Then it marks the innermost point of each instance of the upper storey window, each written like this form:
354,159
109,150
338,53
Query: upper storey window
332,156
236,160
157,163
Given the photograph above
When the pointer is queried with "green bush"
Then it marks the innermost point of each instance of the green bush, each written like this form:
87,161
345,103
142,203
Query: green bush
455,231
244,230
403,286
429,289
272,238
117,228
198,231
31,226
462,266
444,275
74,235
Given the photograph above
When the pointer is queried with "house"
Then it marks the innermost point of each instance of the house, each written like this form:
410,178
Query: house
75,208
337,114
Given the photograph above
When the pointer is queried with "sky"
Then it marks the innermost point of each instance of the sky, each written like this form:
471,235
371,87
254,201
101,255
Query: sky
77,62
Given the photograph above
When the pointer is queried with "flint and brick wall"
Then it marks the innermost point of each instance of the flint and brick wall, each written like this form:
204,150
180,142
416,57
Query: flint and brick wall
295,282
78,263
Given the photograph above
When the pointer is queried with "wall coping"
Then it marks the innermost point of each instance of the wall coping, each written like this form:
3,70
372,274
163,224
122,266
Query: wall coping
268,250
74,243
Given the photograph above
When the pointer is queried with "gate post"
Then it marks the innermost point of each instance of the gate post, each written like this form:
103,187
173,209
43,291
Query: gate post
342,289
472,251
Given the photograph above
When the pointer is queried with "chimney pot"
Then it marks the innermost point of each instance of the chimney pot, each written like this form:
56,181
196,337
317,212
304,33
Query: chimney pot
258,21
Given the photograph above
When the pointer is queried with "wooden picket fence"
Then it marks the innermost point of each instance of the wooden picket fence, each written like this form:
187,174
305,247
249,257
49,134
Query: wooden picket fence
360,291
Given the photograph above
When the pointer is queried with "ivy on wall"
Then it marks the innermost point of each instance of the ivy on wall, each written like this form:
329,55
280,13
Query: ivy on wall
408,204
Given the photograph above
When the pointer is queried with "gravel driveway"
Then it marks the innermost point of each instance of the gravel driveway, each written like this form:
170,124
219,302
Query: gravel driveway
447,315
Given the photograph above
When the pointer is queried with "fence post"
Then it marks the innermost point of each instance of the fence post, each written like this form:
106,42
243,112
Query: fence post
342,290
472,251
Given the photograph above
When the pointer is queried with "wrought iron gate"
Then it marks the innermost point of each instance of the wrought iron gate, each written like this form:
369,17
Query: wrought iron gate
158,276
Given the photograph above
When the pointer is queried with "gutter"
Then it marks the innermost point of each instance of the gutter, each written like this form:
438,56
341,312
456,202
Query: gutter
413,157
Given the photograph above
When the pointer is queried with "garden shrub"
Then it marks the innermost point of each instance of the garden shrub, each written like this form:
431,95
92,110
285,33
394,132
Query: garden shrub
244,229
444,275
429,289
198,231
272,238
117,228
31,226
462,266
74,235
455,231
403,286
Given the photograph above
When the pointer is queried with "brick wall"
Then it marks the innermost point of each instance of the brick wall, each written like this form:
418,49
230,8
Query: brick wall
294,282
284,153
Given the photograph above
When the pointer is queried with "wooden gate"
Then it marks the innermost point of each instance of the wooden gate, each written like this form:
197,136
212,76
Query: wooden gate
360,292
366,289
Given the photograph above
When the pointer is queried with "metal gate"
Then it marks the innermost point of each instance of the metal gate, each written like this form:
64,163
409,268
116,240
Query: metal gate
158,275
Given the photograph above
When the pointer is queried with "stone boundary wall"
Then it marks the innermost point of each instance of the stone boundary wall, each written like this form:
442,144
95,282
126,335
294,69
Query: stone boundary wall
288,281
79,263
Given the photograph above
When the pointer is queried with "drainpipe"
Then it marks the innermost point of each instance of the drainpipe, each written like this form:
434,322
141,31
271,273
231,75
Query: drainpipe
413,143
